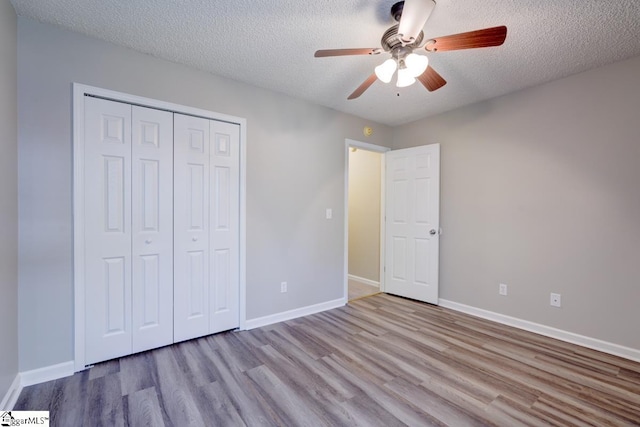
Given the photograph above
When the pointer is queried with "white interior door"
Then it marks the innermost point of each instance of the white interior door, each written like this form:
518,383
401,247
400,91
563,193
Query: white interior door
412,222
224,220
191,227
107,226
152,216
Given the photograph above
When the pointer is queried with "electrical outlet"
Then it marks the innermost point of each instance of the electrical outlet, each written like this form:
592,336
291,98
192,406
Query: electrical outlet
556,300
283,287
329,213
502,290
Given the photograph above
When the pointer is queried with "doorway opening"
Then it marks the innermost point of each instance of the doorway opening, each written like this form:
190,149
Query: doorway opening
409,230
364,237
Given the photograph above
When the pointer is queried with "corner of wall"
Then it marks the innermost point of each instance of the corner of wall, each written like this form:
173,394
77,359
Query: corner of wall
8,200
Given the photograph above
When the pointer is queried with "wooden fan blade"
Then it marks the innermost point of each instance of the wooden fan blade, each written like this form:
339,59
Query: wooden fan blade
345,52
488,37
364,86
431,79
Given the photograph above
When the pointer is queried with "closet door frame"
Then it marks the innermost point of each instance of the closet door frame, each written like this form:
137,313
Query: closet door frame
80,92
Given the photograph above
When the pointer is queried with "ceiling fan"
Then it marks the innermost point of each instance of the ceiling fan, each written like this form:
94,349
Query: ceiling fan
402,39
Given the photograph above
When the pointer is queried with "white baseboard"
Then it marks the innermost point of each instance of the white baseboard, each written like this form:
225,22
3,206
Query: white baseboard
11,397
593,343
292,314
363,280
35,376
48,373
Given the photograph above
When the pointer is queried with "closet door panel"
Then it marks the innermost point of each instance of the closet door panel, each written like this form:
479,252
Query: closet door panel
224,218
152,221
107,229
191,227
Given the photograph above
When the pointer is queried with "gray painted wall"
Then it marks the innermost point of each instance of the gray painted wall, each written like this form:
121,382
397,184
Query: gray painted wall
8,197
541,190
295,162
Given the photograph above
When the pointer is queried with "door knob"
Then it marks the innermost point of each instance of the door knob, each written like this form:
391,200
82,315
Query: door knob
195,239
432,232
148,241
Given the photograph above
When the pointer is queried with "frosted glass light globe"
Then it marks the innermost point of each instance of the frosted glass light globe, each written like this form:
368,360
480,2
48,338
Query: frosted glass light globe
385,71
416,64
405,78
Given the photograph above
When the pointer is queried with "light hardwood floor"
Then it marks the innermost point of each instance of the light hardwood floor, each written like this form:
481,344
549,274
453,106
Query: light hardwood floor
359,290
380,361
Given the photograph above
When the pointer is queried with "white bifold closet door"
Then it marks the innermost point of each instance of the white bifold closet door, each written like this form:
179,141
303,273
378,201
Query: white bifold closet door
206,226
128,228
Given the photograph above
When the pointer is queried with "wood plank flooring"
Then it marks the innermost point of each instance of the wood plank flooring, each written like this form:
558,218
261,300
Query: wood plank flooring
359,290
380,361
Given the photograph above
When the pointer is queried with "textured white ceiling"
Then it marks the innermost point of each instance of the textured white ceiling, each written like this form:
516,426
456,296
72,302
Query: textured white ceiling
271,44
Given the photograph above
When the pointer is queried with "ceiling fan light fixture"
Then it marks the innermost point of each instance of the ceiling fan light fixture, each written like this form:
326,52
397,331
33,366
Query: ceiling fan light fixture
416,64
385,71
405,78
402,39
